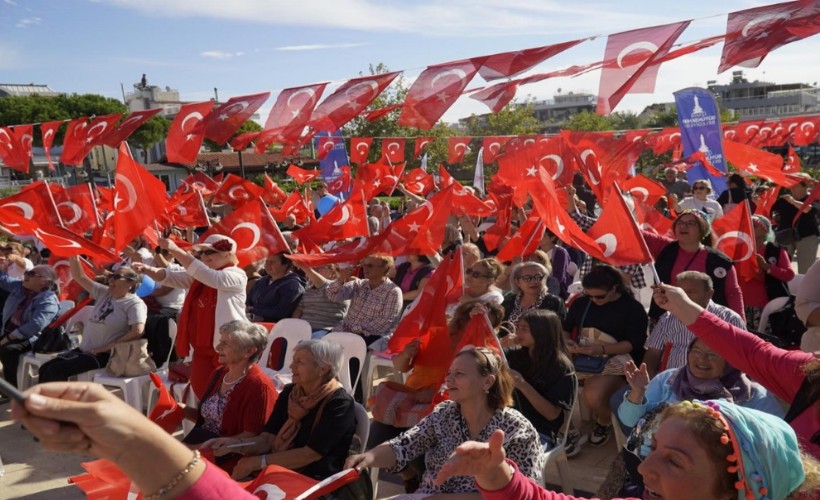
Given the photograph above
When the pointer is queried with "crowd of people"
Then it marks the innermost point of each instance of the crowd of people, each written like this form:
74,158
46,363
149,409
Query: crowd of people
711,406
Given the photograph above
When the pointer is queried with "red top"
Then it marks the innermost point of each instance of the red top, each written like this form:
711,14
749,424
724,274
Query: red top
250,404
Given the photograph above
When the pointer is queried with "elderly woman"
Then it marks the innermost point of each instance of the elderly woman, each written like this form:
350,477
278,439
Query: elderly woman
479,281
701,189
31,305
216,295
713,450
118,316
606,308
528,281
312,424
480,390
774,272
315,307
705,376
275,296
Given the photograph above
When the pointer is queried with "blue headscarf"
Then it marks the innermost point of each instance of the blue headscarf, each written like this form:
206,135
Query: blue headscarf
772,467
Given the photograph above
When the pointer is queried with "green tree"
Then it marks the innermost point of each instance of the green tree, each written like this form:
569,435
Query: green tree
248,126
589,122
625,120
149,133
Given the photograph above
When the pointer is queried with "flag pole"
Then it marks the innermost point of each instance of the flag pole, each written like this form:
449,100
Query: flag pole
656,278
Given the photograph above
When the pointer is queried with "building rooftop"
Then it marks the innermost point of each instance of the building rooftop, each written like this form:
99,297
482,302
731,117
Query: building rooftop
17,89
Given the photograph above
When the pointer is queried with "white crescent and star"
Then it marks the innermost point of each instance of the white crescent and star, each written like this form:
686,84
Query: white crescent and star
28,210
752,127
91,135
311,94
69,244
76,211
632,47
344,217
762,19
494,147
232,193
370,86
253,228
559,164
609,242
457,72
640,190
360,145
228,112
196,115
130,191
742,236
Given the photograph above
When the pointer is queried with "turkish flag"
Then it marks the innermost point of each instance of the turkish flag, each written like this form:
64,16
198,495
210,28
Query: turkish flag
294,205
69,289
290,115
353,251
464,202
273,195
104,481
105,198
652,221
48,131
256,233
758,163
131,123
349,100
82,136
376,178
644,189
199,181
496,96
663,141
632,62
525,241
33,204
360,149
752,33
166,413
187,132
76,207
302,176
556,157
618,234
378,113
345,220
139,199
443,288
275,482
236,191
792,165
225,120
60,241
803,130
326,145
15,146
434,91
392,150
509,64
419,182
421,145
766,201
500,230
694,159
188,210
747,131
736,238
242,141
341,183
492,147
456,148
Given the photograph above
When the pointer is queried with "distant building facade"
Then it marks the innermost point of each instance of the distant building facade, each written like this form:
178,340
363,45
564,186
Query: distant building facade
759,100
554,113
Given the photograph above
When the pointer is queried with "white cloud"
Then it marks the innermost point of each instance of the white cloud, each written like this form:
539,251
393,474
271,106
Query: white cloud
29,21
220,54
9,2
320,46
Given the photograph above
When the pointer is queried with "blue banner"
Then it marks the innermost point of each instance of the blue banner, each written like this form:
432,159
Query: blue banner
335,159
699,119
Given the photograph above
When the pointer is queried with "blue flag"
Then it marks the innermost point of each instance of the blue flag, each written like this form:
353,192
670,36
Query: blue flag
699,119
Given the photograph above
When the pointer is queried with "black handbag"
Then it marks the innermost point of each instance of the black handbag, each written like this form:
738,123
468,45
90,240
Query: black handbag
589,364
784,324
53,339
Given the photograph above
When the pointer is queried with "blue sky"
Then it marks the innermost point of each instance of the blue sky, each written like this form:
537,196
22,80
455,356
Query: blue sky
249,46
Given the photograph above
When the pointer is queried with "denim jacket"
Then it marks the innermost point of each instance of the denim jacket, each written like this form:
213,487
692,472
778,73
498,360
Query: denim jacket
41,310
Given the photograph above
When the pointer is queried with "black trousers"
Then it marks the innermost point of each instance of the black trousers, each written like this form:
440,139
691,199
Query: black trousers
71,363
10,357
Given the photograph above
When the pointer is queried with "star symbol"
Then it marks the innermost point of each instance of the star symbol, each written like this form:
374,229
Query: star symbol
560,226
189,137
166,413
752,167
377,183
414,227
420,323
531,171
224,116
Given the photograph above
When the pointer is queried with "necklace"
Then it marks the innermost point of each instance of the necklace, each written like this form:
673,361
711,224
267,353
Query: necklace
225,379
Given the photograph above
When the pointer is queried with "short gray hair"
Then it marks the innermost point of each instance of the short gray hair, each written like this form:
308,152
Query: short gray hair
325,353
248,335
518,270
697,276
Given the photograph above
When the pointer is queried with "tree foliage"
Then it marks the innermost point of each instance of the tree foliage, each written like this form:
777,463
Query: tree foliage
589,122
248,126
149,133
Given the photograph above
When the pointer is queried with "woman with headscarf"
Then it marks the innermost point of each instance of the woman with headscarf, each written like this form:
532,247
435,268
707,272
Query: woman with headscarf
216,295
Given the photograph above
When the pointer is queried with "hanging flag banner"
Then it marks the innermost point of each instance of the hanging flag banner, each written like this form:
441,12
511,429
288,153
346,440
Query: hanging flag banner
699,119
331,165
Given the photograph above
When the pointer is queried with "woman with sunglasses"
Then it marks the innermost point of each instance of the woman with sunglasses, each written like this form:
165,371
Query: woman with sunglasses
216,295
701,189
118,316
606,308
31,305
479,282
528,282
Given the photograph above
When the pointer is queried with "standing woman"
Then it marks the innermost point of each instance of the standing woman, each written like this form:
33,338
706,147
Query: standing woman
701,189
542,372
216,295
774,273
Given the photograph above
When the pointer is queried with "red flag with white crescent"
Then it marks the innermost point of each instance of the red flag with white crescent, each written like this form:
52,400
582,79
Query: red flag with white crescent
345,220
48,131
226,119
421,145
236,191
736,238
456,149
187,132
139,199
349,100
360,149
128,126
434,91
392,150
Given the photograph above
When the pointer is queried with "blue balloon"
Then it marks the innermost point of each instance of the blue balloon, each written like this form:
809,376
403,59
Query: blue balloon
146,287
327,202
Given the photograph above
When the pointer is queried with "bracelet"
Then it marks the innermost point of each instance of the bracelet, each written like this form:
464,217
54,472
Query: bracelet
172,484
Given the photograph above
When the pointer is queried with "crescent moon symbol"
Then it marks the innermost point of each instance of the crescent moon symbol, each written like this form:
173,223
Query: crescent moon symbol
559,163
762,19
48,133
27,140
806,125
28,210
76,211
181,210
640,190
392,146
609,242
428,207
70,244
461,146
102,126
132,194
271,491
195,115
651,47
752,127
740,235
233,196
529,141
457,72
254,229
243,105
309,92
345,216
370,86
360,145
61,263
495,147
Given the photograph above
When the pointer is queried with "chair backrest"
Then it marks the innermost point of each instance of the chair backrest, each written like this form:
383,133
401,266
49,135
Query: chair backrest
772,306
362,426
282,340
80,316
172,334
354,349
794,284
64,306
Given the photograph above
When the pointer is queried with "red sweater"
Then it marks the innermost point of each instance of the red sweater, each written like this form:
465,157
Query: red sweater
250,404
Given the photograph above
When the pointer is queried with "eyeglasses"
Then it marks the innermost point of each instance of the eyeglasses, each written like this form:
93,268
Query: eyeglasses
476,274
33,274
597,297
688,223
711,356
699,188
207,252
531,277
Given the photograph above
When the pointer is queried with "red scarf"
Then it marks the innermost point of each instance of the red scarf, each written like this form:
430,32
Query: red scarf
197,320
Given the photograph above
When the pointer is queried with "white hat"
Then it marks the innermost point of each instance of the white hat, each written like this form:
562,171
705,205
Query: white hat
217,242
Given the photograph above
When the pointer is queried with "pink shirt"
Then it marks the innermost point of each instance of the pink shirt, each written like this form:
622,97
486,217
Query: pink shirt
754,291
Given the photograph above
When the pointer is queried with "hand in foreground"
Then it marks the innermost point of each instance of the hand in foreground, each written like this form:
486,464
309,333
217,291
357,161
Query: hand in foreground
675,300
412,348
638,378
218,445
80,417
482,460
245,467
359,462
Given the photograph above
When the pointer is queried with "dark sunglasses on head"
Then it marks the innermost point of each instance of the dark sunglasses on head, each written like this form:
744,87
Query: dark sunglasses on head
531,277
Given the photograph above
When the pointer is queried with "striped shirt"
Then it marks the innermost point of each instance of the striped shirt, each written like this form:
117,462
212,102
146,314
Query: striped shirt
320,311
670,330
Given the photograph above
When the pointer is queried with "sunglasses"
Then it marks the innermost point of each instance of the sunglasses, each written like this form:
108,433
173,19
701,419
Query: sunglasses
531,277
33,274
700,188
207,252
119,277
688,223
476,274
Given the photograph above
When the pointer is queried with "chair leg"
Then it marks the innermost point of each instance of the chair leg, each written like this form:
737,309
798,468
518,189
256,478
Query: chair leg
374,480
563,474
367,379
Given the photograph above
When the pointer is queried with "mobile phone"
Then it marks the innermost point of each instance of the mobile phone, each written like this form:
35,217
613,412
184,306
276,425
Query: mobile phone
10,391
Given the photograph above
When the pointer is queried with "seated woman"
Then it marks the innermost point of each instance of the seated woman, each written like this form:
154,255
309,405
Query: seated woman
607,307
479,282
274,297
541,257
528,282
714,450
315,307
411,276
706,376
30,307
240,397
542,372
118,316
312,424
480,392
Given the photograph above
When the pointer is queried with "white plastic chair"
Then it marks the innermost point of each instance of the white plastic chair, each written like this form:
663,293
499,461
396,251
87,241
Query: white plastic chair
794,284
362,426
293,331
558,454
29,368
132,387
373,362
772,306
354,348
